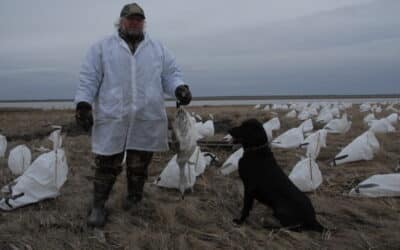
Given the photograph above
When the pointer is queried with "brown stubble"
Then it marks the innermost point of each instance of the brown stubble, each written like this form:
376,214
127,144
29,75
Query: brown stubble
203,219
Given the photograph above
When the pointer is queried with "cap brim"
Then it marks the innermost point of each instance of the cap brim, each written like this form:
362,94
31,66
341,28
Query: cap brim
135,15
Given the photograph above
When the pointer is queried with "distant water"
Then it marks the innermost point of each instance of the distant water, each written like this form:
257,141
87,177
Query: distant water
227,102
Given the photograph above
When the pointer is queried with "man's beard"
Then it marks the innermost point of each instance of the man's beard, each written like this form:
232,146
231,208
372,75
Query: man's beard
132,33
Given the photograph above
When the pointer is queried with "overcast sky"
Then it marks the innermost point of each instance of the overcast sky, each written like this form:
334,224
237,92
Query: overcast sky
265,47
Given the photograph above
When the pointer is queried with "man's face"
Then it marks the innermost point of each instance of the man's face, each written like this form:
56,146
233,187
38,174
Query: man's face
132,25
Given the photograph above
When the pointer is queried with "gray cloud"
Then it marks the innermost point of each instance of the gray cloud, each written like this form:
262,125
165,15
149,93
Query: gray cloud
225,48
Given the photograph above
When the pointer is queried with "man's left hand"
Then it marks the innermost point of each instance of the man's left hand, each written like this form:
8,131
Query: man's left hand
183,94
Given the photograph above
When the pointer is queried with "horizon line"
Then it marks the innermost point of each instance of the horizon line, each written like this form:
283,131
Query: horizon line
239,97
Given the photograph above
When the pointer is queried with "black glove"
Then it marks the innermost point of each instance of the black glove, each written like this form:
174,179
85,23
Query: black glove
183,94
83,115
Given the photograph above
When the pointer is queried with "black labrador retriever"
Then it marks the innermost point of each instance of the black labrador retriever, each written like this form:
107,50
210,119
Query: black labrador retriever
265,181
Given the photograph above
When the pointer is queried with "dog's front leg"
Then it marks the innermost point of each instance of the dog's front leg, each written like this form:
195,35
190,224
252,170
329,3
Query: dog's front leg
248,201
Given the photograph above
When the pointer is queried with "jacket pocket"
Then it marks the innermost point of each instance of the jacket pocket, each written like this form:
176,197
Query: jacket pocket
109,104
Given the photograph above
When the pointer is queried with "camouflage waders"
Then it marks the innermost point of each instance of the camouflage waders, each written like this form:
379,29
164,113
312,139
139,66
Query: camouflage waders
106,172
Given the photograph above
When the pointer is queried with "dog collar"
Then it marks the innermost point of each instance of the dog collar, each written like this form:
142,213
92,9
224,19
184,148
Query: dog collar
256,147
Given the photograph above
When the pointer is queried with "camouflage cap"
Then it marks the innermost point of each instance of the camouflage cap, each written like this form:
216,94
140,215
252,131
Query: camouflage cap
132,9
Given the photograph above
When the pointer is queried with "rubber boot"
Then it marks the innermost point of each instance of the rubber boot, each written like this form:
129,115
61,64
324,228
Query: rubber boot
98,216
107,170
135,191
136,175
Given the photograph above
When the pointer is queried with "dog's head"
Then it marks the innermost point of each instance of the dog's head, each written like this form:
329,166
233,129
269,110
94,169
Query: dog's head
250,133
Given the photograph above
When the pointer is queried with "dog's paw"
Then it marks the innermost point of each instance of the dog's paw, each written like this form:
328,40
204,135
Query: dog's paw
237,221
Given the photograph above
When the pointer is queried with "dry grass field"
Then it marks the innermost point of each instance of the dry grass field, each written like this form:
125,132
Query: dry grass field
204,219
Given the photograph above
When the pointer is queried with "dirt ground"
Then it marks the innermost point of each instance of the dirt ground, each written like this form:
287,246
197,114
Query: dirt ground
204,219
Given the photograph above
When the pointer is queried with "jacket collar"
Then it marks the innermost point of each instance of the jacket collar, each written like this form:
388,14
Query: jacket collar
125,45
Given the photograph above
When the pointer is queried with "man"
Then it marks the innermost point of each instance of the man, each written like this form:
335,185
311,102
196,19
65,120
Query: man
124,77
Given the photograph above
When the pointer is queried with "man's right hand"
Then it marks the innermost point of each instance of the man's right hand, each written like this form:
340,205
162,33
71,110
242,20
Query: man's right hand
83,115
